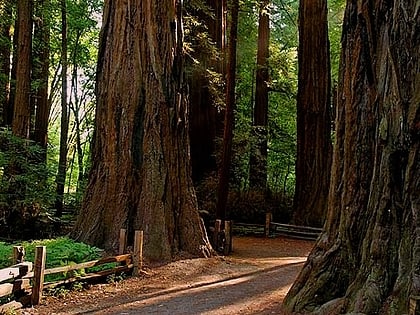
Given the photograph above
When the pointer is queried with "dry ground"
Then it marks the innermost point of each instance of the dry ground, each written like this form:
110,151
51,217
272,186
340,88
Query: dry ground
253,280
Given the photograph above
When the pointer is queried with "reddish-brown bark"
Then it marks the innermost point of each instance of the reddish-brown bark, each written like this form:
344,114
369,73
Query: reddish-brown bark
366,261
140,176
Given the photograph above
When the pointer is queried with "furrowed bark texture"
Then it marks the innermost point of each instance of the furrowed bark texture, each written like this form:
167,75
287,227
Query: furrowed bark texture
368,259
140,177
314,148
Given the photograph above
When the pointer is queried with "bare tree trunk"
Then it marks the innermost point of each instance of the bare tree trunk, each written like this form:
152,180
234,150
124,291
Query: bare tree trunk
41,73
223,187
140,176
62,162
366,261
258,156
5,54
314,148
22,111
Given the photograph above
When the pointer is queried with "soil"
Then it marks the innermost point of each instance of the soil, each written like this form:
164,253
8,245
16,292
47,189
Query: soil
254,279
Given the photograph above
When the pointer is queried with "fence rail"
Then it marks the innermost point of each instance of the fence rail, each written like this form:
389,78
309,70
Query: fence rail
28,276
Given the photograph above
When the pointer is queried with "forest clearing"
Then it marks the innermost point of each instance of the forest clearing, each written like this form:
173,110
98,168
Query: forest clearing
241,283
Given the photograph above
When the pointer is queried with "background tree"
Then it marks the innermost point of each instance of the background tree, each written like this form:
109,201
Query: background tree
367,259
22,111
258,156
6,21
206,40
224,169
314,148
140,175
62,162
40,73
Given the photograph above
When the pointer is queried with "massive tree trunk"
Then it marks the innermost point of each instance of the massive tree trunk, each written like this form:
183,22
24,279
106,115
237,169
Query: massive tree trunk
314,148
367,260
140,176
22,111
258,157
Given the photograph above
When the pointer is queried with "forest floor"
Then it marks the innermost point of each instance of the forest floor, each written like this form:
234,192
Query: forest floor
254,279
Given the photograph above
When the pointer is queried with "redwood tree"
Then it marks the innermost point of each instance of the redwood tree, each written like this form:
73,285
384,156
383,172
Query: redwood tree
5,54
367,260
258,157
314,148
206,119
140,174
22,111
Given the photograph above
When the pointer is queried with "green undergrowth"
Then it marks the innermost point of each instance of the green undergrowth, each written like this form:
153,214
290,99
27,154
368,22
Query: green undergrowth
61,251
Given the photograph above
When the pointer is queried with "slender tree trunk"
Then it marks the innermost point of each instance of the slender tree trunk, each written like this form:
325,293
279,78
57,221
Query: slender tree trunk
314,148
41,73
5,54
22,112
62,162
140,176
223,187
258,156
367,260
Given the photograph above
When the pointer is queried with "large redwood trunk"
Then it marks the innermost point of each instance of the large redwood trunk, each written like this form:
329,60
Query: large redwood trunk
314,148
140,177
367,260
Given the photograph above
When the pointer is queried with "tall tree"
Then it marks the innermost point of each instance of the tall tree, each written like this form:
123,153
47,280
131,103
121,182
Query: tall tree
367,260
140,175
206,119
223,185
62,162
22,111
5,54
258,156
314,148
40,72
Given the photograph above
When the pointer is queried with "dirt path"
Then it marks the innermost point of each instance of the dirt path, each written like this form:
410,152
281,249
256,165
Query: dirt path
254,280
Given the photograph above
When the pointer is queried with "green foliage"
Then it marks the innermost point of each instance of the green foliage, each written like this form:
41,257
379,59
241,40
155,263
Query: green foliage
61,251
25,185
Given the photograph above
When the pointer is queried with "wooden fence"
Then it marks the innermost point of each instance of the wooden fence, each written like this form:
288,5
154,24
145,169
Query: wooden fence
29,277
274,229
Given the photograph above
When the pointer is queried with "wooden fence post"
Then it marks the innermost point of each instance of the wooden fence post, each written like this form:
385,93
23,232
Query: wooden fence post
228,238
18,254
268,218
217,228
138,252
38,280
123,241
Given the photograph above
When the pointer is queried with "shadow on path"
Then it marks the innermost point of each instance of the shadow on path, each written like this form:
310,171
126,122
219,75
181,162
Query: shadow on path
244,294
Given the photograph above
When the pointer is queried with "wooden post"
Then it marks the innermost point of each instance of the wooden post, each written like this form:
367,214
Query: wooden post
217,227
228,236
138,252
18,254
268,218
123,241
38,280
414,307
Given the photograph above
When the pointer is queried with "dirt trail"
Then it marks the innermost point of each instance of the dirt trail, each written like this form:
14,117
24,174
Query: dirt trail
253,280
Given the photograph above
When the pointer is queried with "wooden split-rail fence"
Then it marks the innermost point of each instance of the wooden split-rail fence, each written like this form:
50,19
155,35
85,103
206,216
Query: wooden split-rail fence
271,228
26,279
